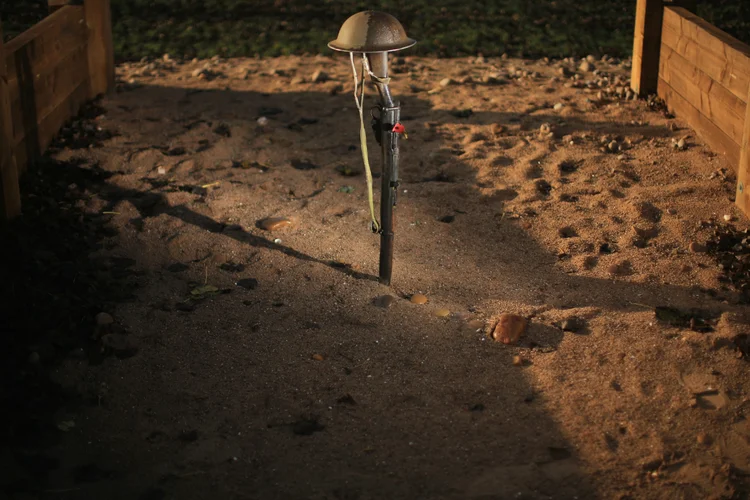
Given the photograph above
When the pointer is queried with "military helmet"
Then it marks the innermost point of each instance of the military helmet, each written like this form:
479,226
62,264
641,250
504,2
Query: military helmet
371,31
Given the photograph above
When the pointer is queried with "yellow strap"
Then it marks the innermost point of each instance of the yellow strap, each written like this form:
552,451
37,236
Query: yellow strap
363,138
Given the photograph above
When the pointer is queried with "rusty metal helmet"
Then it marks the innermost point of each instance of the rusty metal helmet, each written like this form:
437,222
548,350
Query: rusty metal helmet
371,31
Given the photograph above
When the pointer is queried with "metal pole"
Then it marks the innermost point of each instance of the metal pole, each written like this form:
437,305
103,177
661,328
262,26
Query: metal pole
390,114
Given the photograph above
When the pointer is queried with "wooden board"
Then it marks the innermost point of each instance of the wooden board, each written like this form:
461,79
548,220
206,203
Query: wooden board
34,97
10,197
646,43
716,53
43,43
36,141
710,133
742,200
101,51
718,104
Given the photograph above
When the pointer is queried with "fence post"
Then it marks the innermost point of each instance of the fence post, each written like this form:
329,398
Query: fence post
10,196
644,76
742,199
100,48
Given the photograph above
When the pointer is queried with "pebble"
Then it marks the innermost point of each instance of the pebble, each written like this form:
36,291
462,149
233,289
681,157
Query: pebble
119,344
262,121
703,438
447,81
509,328
620,268
728,218
517,361
671,211
418,298
104,319
543,186
248,283
274,223
567,232
614,147
384,301
696,247
442,313
573,324
558,106
319,76
318,357
586,67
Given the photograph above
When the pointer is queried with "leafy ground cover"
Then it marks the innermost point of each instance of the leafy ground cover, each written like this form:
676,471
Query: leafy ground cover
196,28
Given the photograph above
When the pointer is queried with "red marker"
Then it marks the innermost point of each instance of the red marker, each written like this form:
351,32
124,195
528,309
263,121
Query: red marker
399,129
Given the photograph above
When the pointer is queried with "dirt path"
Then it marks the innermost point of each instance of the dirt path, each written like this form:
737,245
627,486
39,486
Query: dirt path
245,363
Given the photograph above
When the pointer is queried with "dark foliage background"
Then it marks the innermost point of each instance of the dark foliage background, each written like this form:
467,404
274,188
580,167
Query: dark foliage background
203,28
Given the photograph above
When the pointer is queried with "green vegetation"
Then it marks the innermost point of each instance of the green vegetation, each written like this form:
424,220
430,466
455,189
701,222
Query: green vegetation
203,28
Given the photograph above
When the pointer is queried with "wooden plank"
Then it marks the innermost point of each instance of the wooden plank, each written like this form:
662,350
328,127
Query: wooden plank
10,196
710,133
33,98
717,103
723,58
34,144
101,50
705,33
646,44
46,40
736,81
742,200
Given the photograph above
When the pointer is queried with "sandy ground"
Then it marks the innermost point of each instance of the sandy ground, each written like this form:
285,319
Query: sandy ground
255,364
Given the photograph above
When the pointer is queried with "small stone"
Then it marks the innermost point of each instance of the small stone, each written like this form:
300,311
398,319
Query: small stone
613,147
509,328
418,298
262,121
248,283
543,186
696,247
517,361
447,81
590,262
275,223
384,301
104,319
442,313
671,211
120,344
177,267
703,438
567,232
558,106
728,218
573,324
319,76
620,268
161,170
681,145
318,357
586,67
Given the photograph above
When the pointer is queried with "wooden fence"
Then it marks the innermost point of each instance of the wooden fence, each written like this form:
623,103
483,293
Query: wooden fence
703,75
46,74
